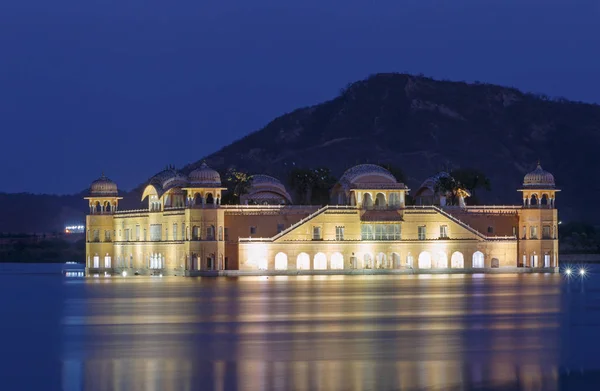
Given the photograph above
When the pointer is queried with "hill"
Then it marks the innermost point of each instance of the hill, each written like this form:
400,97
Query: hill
416,123
424,125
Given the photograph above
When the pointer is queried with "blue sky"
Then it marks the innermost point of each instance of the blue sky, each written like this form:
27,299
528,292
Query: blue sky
127,87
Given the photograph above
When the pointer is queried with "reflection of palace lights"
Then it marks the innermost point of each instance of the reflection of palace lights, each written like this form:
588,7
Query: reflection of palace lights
74,229
582,272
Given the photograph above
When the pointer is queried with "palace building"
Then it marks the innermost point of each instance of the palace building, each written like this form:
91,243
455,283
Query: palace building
369,225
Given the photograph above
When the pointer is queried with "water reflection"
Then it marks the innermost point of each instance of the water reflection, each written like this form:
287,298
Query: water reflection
312,333
176,375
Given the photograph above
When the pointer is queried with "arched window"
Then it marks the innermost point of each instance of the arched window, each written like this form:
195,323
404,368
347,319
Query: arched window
457,261
544,200
303,262
441,260
495,263
210,199
281,261
320,262
534,200
367,201
98,207
380,200
337,261
394,200
478,260
197,199
425,260
210,232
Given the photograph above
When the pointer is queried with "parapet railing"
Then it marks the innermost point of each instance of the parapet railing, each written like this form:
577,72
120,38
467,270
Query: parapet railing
302,221
461,223
268,207
131,211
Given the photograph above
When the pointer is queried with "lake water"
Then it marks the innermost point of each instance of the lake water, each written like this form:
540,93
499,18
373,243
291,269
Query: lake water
471,332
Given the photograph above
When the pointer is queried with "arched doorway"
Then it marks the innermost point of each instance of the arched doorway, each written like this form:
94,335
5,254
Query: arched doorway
425,260
410,261
457,261
107,261
478,260
534,260
303,262
396,264
441,260
197,199
381,261
281,261
320,261
263,264
368,263
337,261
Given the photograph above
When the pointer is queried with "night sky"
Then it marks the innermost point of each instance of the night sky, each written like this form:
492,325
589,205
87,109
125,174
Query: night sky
129,86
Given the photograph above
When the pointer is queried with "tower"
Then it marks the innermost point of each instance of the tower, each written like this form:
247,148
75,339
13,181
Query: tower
538,220
103,202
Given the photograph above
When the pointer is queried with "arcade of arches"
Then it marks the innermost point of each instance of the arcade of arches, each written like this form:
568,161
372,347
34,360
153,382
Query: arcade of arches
393,260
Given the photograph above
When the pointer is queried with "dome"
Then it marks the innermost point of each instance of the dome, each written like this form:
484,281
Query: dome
205,176
170,178
539,178
103,187
266,189
366,174
167,179
266,181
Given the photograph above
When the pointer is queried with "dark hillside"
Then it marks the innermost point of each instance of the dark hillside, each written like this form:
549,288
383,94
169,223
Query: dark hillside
418,124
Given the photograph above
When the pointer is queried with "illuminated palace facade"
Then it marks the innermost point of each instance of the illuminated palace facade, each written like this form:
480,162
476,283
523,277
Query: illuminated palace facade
368,227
